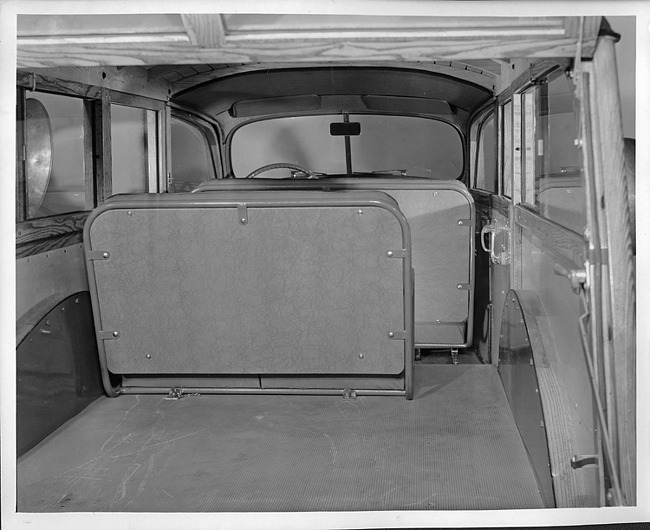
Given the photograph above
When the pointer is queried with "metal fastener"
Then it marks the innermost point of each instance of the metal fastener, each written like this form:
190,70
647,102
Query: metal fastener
148,356
116,334
361,356
106,255
360,212
389,253
391,334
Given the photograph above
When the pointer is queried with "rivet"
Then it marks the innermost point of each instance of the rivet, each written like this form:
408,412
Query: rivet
148,356
391,334
361,356
459,286
460,223
76,300
360,212
389,253
63,309
116,333
243,220
106,255
129,213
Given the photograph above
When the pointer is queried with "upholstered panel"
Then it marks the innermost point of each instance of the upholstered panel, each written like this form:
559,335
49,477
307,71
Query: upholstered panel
443,251
192,290
441,260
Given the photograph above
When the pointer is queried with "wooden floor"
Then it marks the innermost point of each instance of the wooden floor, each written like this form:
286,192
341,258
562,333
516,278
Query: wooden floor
455,446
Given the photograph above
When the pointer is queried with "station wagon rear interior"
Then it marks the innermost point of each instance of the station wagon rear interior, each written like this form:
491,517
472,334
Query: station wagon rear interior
309,263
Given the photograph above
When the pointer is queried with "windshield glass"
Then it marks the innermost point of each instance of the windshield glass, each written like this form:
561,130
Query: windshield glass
419,147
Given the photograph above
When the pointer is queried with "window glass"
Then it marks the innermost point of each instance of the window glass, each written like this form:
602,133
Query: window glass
559,188
129,149
54,165
191,160
418,146
486,163
507,162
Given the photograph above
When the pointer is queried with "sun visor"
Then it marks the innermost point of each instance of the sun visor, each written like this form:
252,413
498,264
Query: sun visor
288,104
409,105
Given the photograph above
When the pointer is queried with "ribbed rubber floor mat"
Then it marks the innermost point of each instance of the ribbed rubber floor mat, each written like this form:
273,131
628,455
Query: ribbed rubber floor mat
455,446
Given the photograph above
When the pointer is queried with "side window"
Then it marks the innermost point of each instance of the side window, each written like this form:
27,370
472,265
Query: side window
55,165
506,161
558,189
485,172
132,149
191,156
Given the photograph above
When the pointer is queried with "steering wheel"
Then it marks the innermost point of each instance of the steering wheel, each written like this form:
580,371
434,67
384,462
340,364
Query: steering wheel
269,167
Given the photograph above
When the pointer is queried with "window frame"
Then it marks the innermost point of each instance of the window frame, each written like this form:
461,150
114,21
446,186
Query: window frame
476,137
40,234
207,130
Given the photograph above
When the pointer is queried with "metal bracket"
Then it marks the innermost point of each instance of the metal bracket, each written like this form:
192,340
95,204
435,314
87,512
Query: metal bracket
577,277
242,214
98,255
579,461
175,394
397,335
463,286
454,356
400,254
108,335
464,222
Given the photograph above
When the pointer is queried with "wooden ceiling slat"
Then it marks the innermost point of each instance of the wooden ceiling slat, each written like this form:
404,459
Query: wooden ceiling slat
205,31
206,41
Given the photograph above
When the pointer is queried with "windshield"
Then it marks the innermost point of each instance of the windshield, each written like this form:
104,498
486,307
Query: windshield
416,146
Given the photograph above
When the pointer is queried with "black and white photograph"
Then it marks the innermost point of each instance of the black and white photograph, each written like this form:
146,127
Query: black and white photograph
324,264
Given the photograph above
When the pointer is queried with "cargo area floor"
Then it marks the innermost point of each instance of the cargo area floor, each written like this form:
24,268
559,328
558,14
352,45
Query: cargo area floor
455,446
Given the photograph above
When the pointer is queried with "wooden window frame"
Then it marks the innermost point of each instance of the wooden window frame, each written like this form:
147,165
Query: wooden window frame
41,234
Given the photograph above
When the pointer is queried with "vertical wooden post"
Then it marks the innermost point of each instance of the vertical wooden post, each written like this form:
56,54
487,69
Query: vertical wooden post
619,273
89,155
103,153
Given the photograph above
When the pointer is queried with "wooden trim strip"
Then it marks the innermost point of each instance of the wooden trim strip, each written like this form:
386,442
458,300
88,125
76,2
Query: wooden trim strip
49,227
40,246
560,244
60,86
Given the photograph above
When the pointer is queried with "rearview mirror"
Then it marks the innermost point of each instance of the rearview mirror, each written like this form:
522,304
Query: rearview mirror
352,128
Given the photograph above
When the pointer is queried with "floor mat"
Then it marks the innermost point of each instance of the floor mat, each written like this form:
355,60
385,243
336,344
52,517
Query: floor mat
455,446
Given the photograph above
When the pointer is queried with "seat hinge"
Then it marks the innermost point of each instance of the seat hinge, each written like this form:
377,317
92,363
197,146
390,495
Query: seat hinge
95,255
108,335
399,253
242,214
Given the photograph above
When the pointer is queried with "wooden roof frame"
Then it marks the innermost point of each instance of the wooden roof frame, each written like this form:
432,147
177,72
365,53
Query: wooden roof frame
208,39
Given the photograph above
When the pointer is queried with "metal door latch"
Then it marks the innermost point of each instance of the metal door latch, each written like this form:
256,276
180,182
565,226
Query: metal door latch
500,256
579,461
